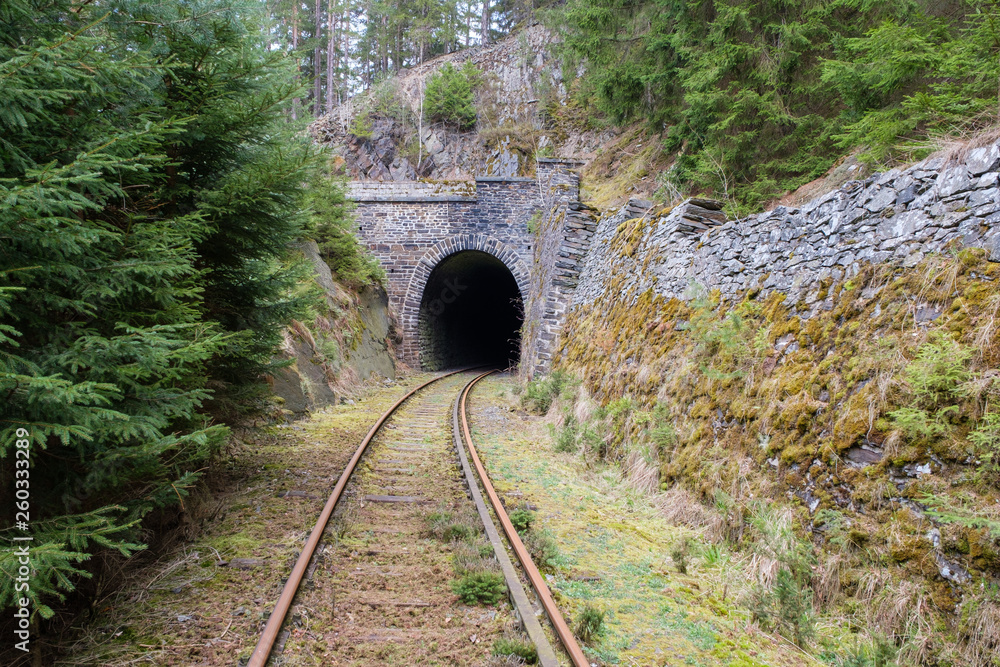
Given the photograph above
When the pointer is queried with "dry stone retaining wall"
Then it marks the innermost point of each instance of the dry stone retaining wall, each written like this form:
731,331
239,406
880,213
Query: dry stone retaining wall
899,215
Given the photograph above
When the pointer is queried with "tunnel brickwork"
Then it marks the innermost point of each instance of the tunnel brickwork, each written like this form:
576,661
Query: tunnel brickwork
535,227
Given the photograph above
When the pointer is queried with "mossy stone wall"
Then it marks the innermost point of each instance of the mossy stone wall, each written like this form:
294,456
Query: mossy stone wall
900,215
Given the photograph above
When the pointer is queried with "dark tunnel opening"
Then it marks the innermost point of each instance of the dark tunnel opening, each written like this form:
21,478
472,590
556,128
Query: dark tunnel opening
470,313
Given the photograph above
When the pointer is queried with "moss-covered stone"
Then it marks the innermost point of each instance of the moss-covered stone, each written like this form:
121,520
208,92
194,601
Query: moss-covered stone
799,410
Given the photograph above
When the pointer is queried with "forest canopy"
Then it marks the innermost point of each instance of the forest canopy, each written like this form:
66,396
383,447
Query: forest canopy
758,98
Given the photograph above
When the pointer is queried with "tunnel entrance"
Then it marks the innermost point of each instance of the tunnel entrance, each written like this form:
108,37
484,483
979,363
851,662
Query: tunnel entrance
470,313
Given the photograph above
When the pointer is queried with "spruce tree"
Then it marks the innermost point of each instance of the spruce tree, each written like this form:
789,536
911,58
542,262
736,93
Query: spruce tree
149,190
240,166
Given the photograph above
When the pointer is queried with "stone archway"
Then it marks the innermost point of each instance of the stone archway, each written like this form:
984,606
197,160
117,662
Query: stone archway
410,313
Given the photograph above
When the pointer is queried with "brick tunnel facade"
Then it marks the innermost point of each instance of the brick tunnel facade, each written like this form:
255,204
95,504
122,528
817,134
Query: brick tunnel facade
477,272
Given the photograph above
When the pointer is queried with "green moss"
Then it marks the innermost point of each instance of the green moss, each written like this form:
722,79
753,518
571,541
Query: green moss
814,404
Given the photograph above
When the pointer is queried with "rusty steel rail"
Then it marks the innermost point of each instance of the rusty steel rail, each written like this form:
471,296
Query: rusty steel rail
266,643
547,656
541,589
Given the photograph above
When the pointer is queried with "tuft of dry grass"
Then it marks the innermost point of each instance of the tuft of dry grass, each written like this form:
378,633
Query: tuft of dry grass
642,466
984,336
980,630
584,406
503,661
467,558
682,508
827,589
981,131
901,609
345,519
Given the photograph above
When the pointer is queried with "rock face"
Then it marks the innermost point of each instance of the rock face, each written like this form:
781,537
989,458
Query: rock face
351,342
899,215
519,74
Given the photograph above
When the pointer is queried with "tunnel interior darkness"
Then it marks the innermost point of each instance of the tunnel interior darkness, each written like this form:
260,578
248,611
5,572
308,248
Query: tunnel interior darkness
470,313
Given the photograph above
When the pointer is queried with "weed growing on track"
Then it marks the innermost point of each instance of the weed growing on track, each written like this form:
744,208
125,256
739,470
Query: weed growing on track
448,527
515,646
345,520
486,588
503,661
479,580
522,520
543,549
469,557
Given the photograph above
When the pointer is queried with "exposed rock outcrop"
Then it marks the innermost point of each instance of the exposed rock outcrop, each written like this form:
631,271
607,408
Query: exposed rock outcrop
351,342
520,75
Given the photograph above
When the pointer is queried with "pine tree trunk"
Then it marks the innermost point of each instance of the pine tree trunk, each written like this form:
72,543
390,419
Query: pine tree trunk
484,29
384,45
332,58
296,102
397,57
346,30
468,25
318,60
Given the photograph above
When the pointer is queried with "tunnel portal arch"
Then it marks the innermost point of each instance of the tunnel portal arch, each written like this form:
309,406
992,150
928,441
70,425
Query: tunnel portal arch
416,301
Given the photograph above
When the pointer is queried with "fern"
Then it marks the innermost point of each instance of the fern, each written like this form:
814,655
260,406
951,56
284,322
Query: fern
986,438
953,511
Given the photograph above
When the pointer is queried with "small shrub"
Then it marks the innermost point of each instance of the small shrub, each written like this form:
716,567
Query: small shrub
539,394
787,604
486,588
566,436
986,438
592,439
361,126
921,424
543,549
680,554
332,225
663,434
589,623
449,97
522,520
875,652
723,341
526,651
936,379
535,222
386,99
938,370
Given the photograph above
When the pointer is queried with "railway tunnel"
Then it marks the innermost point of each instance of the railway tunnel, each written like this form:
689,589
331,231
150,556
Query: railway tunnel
470,313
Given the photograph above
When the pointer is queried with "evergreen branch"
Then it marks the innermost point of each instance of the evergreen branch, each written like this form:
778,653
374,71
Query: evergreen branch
51,47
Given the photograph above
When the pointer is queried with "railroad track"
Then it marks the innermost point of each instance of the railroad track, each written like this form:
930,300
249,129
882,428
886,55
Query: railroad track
385,595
